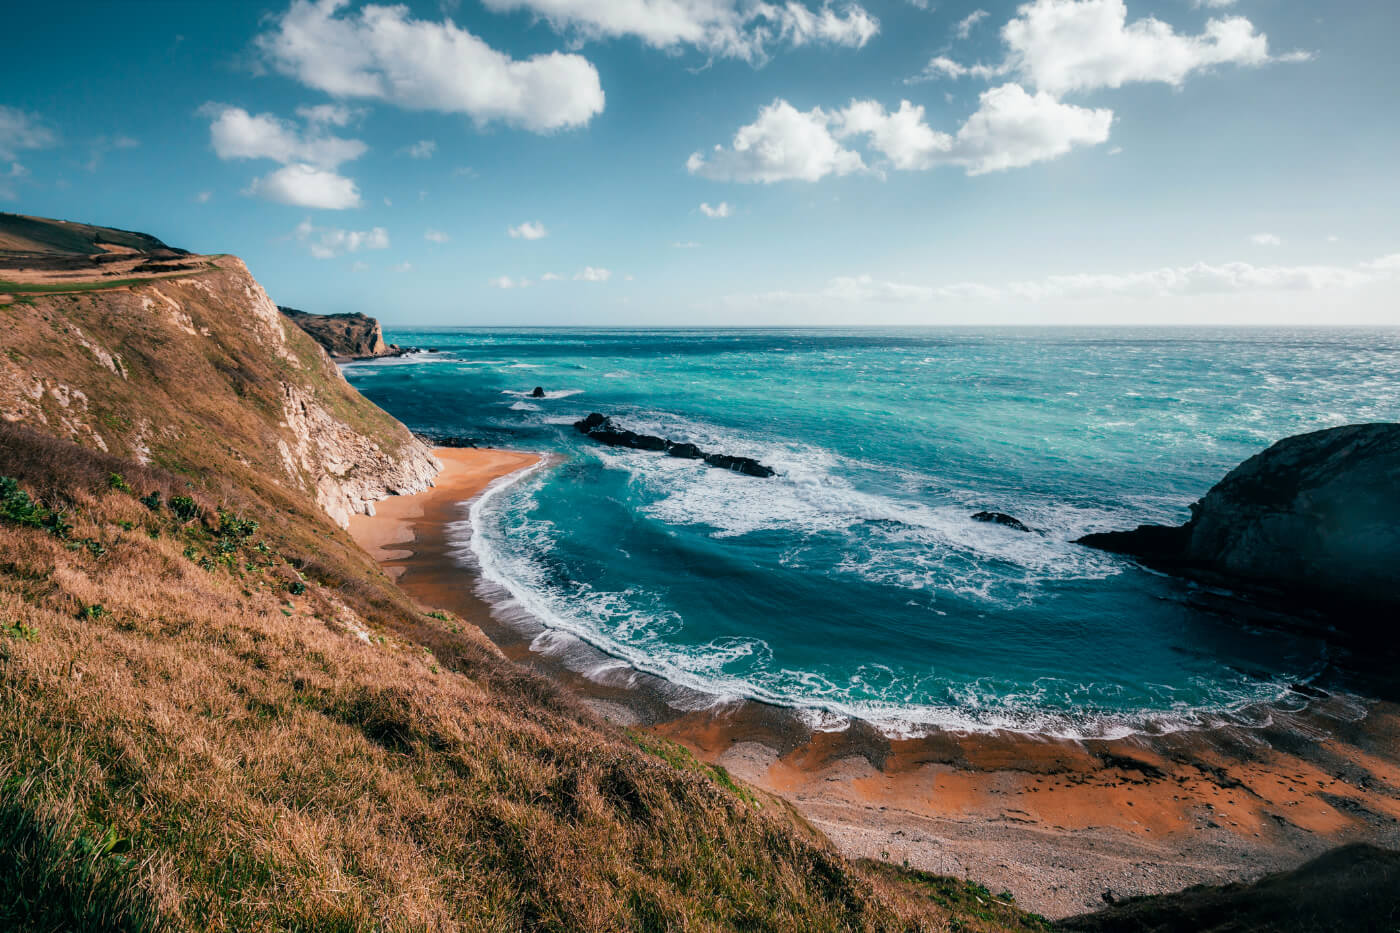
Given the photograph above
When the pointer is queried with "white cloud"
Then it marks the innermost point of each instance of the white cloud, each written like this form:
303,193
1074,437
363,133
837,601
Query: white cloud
590,274
1265,239
529,230
782,144
381,53
506,281
329,242
687,244
423,149
404,267
550,277
309,159
307,186
436,236
1010,128
1116,150
237,134
20,131
741,29
718,211
329,114
964,26
1079,45
1212,4
1198,279
203,197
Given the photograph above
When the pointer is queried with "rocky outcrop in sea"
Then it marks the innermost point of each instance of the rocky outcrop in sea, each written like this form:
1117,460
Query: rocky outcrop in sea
1316,517
602,429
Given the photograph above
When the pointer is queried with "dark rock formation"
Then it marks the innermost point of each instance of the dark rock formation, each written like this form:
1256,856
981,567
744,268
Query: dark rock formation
1316,516
1000,518
538,393
345,336
1356,887
602,429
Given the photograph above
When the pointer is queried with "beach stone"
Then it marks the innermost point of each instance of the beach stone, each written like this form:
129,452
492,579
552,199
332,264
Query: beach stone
538,393
1316,516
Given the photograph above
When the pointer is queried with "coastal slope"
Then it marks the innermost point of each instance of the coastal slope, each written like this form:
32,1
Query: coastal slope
220,714
194,369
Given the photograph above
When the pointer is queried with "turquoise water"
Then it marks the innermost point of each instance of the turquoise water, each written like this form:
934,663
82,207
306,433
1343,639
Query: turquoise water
854,583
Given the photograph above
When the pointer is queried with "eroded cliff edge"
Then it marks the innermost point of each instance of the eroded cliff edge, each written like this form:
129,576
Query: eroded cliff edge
231,378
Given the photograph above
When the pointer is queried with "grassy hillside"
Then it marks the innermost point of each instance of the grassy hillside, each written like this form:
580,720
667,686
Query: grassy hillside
216,713
39,235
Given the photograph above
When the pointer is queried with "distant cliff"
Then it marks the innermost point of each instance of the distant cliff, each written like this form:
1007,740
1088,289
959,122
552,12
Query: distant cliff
190,369
1316,516
344,336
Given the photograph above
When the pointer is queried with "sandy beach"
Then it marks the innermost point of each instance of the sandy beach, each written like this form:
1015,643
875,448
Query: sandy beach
1062,824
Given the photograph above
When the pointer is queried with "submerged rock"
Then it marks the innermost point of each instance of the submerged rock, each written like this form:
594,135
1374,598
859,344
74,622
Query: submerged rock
1000,518
602,429
538,393
1316,516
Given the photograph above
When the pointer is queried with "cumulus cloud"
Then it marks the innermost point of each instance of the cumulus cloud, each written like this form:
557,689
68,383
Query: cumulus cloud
591,274
1062,46
685,244
20,131
1266,239
307,186
529,230
725,28
1010,128
382,53
550,277
718,211
237,134
435,236
309,156
423,149
329,242
783,144
506,281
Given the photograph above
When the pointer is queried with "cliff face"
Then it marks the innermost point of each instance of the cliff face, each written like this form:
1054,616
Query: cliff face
344,336
193,370
1316,515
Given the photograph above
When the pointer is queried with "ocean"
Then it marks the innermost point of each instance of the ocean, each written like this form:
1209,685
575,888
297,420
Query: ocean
854,583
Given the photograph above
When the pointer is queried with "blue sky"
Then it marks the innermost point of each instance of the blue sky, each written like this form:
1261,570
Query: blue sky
692,162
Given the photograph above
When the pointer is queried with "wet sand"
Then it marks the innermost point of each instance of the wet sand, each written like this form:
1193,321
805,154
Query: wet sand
1057,822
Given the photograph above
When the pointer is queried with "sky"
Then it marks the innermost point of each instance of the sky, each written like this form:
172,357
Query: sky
733,162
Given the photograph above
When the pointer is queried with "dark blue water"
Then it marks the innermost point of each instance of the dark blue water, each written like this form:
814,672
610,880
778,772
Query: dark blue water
855,584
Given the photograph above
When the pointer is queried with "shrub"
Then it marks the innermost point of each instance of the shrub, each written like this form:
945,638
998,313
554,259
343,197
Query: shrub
115,481
152,500
17,507
185,508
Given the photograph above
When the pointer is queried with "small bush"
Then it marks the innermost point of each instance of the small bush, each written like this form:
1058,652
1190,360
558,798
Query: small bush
296,588
152,501
20,630
95,611
185,508
117,482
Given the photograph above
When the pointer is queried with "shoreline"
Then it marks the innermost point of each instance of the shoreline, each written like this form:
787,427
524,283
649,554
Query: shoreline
1058,822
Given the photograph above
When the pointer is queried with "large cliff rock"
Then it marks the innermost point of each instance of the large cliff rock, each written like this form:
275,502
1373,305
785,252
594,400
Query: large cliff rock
344,336
197,371
1316,516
